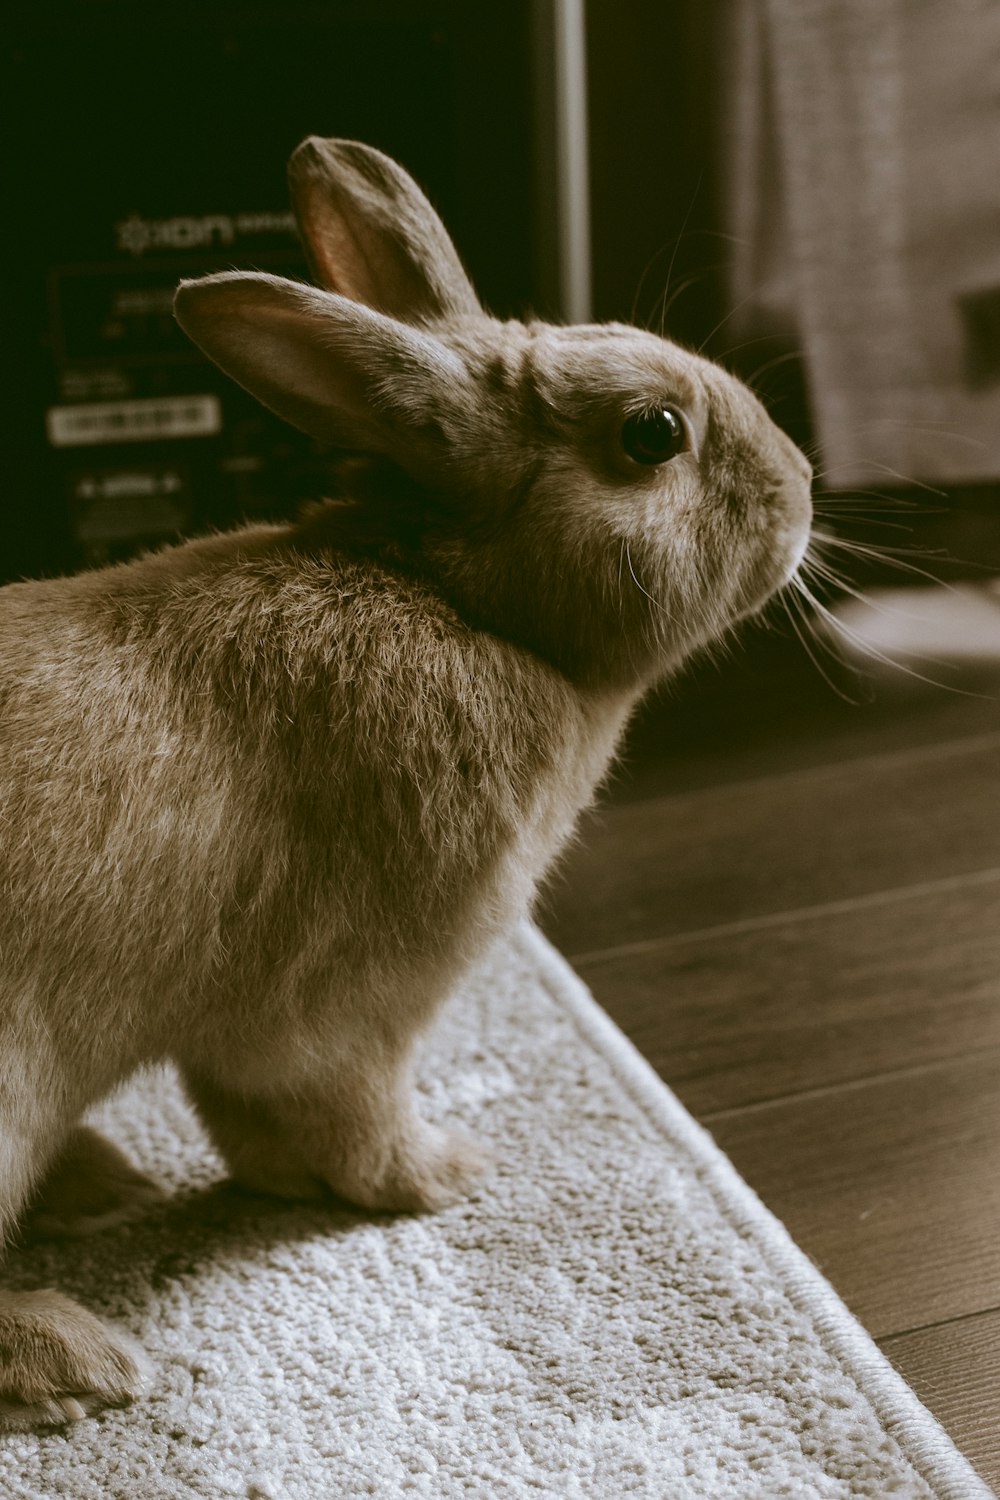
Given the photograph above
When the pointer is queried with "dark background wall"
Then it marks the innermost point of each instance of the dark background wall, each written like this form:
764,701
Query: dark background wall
148,142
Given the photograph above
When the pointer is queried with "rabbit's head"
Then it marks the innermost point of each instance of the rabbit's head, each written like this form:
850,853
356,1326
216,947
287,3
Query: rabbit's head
597,494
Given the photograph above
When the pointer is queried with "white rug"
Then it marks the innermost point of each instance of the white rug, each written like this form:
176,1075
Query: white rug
615,1314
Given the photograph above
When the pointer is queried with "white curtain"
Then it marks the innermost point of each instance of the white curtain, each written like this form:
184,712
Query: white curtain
862,162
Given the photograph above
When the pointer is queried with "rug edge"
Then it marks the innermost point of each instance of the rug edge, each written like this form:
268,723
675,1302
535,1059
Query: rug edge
919,1434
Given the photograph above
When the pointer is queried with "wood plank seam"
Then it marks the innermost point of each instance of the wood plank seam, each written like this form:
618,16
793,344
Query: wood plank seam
848,1085
876,760
845,905
970,1317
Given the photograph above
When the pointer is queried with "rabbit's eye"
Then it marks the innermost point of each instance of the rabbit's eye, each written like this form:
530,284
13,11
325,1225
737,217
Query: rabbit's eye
654,436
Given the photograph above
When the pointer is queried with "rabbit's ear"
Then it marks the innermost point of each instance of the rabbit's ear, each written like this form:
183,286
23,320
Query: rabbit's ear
371,235
339,371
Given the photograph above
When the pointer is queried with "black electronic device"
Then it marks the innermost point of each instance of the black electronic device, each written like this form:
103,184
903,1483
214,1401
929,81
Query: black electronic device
148,143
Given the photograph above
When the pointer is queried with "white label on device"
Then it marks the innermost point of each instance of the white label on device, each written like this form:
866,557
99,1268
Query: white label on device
133,421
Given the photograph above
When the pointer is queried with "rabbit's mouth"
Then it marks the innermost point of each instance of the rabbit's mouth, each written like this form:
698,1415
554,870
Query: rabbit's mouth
784,542
794,531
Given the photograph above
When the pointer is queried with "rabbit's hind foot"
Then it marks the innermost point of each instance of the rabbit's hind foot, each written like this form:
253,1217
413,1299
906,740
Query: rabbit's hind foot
59,1363
90,1186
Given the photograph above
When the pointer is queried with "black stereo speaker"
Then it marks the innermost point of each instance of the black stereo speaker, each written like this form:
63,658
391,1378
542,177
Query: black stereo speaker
147,143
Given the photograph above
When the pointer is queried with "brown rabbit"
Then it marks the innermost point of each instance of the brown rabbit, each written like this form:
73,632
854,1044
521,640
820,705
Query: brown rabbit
266,796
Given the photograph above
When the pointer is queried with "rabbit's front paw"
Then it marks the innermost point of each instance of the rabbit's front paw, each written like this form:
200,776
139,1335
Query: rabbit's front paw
58,1363
438,1168
91,1186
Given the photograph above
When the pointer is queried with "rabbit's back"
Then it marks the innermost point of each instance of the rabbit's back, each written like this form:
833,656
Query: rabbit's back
231,768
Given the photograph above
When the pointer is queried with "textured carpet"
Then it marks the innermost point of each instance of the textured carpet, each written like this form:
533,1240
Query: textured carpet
614,1314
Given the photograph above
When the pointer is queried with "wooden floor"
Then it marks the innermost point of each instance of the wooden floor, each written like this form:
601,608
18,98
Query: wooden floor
791,904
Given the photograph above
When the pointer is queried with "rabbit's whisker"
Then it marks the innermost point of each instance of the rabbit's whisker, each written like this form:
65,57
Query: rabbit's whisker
890,557
859,643
772,364
666,303
796,613
744,302
905,479
677,246
762,338
656,602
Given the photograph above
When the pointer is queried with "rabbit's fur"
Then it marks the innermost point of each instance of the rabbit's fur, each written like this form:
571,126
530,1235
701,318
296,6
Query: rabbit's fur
266,796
